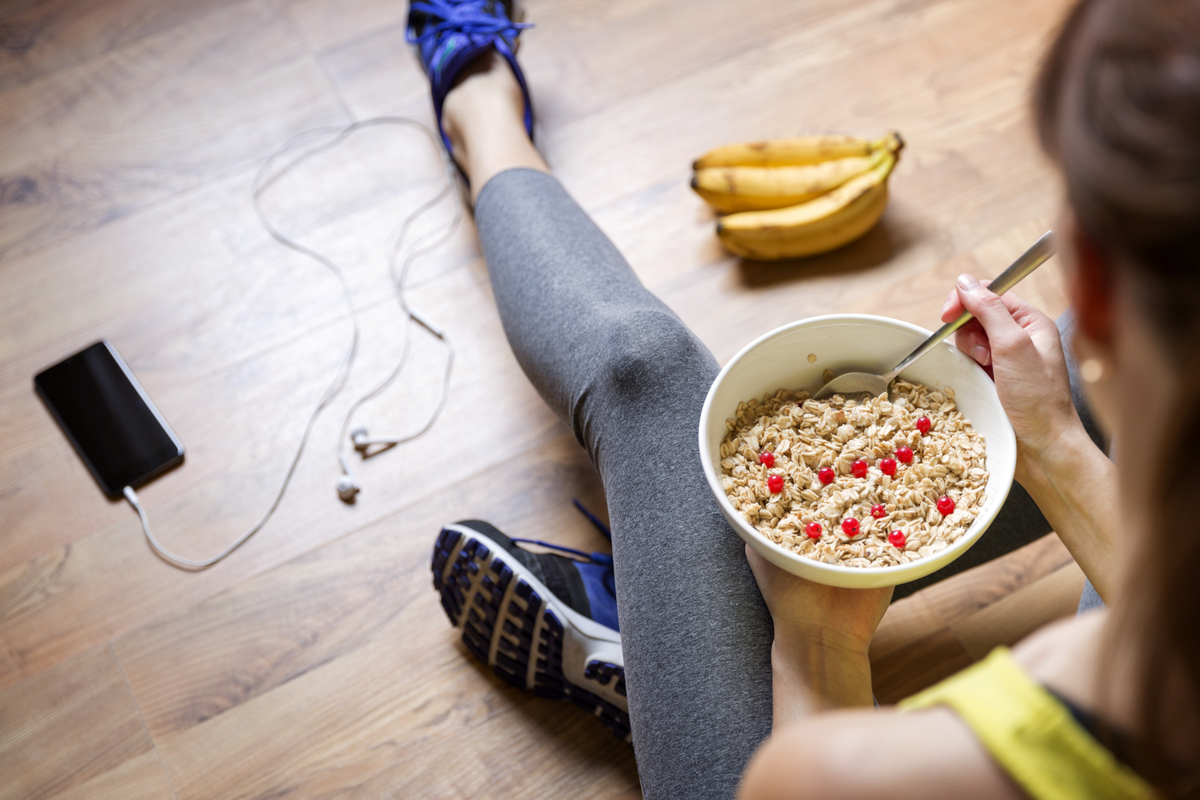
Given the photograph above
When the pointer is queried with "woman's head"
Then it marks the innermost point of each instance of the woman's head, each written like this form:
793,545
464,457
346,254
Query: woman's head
1118,110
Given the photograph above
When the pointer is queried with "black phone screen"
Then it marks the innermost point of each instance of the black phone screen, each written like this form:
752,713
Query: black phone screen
109,418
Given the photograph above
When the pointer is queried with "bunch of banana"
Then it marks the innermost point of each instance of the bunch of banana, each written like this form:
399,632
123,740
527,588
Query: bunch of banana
796,197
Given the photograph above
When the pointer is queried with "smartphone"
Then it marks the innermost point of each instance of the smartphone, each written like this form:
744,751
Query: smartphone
108,417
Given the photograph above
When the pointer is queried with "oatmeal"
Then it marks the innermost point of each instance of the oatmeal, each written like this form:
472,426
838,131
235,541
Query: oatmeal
862,484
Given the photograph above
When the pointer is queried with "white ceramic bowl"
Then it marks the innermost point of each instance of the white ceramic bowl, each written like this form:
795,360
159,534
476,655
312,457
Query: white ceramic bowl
845,343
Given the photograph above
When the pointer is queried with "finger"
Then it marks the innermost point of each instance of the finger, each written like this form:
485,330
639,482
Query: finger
974,342
971,326
970,334
1026,314
1002,330
953,307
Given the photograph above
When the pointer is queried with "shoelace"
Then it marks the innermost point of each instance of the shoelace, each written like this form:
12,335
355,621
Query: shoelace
595,558
600,526
465,16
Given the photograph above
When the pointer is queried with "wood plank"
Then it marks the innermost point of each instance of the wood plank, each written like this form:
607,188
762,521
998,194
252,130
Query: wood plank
39,37
104,581
963,596
87,144
356,622
66,726
800,82
139,778
325,24
267,631
1011,619
905,621
918,665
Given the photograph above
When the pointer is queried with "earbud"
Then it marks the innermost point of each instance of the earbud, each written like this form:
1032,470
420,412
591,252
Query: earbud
359,437
347,487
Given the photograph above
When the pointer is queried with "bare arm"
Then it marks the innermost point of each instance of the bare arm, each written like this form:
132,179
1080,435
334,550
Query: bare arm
865,755
1075,486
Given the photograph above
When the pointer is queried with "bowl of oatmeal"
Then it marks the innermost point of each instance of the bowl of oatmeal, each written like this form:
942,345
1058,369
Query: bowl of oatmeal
855,492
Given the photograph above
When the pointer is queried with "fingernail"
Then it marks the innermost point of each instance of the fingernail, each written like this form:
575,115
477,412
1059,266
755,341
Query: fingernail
945,308
967,282
981,354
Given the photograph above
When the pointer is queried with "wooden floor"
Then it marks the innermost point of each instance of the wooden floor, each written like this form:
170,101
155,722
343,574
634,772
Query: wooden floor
316,662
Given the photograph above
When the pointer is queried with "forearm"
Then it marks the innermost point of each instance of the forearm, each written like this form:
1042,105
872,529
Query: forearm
811,677
1075,486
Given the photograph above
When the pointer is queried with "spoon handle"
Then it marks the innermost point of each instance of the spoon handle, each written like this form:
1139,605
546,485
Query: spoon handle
1030,260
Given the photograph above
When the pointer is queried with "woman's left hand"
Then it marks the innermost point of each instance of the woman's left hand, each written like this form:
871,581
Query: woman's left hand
809,614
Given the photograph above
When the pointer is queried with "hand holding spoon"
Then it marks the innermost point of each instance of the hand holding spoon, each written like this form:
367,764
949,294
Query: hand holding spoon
875,385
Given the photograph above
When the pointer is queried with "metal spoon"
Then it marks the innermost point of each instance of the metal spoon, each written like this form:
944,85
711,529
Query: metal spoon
859,382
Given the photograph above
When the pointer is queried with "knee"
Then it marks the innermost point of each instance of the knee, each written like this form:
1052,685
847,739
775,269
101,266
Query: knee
650,351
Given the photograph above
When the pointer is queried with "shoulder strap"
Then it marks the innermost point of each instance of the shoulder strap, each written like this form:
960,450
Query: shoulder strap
1032,735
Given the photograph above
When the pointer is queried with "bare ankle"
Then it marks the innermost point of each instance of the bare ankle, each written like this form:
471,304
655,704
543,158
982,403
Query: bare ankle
484,118
485,96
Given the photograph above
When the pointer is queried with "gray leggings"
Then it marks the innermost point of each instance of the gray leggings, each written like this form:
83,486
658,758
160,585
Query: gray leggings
629,378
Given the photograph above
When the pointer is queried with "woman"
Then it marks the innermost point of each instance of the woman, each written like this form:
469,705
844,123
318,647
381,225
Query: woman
1103,706
1118,109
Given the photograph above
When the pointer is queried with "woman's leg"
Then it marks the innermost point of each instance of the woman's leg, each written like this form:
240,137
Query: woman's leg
625,373
630,378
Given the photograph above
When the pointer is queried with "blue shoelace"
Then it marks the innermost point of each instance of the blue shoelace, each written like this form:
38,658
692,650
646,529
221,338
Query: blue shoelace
464,16
594,558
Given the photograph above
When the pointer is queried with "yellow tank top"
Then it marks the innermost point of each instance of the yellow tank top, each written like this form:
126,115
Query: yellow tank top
1031,734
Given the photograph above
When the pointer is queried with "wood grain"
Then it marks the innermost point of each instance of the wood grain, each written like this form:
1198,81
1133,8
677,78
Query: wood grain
315,662
40,37
1013,618
69,724
97,140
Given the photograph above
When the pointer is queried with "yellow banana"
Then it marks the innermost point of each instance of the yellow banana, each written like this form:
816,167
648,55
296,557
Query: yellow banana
756,188
826,223
788,152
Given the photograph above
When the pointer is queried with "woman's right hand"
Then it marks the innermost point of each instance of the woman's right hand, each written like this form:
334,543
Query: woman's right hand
1022,350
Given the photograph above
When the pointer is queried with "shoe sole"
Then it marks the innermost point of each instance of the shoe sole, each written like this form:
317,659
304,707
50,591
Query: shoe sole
505,613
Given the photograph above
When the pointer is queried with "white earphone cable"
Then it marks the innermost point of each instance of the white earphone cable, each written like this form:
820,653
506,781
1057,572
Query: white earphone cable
435,237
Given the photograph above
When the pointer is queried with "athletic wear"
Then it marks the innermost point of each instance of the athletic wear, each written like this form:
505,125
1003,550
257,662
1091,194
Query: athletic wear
534,618
449,34
1031,734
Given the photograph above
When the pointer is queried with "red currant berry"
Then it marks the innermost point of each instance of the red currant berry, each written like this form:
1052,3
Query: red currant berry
923,425
775,483
897,538
859,468
826,475
904,453
945,505
888,466
878,511
814,530
850,527
766,459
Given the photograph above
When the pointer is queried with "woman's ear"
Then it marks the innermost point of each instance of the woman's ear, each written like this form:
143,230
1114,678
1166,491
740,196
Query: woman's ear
1091,287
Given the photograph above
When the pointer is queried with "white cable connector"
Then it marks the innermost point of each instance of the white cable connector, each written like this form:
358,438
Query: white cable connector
347,486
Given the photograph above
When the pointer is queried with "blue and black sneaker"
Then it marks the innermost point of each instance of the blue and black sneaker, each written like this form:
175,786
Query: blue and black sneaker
449,34
542,621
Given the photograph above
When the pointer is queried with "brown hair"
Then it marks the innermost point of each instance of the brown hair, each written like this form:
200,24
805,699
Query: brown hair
1118,109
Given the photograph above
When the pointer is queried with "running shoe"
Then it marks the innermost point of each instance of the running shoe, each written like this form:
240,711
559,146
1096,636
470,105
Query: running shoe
543,622
449,34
